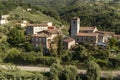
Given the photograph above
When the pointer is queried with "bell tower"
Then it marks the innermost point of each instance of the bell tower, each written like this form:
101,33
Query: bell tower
74,26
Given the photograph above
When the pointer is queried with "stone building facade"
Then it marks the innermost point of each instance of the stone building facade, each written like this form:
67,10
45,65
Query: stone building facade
44,38
68,43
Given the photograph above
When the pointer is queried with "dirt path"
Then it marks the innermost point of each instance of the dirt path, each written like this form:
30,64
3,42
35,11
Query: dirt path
47,69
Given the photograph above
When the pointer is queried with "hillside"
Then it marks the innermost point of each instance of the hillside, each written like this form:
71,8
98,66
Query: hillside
104,16
36,17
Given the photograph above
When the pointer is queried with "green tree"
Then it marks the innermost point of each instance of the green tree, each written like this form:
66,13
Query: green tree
93,71
12,55
112,42
29,47
70,72
60,45
40,50
16,36
55,71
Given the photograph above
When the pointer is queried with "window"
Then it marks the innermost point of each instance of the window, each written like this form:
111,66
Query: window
36,45
32,39
73,22
43,39
39,39
36,39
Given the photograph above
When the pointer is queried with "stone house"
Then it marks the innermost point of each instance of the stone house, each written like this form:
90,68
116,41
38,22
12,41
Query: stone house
68,43
44,38
104,36
89,38
117,37
35,28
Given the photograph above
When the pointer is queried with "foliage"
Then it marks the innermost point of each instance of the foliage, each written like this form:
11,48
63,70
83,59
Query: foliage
12,55
93,71
100,14
20,14
16,57
12,73
60,45
16,37
59,72
112,42
55,71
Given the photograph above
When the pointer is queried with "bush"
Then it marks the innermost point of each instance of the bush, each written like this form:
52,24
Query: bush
12,55
46,60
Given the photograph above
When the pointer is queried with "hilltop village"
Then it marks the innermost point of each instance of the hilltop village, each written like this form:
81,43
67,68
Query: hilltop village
44,33
59,39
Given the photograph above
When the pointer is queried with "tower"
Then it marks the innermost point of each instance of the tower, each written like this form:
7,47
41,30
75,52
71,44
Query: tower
74,26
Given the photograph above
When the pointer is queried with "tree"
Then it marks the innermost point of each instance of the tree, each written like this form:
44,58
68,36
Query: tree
60,45
112,42
12,55
40,50
93,71
55,71
70,72
58,72
16,36
29,47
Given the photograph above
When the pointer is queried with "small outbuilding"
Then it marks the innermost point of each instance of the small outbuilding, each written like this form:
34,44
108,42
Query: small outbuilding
68,43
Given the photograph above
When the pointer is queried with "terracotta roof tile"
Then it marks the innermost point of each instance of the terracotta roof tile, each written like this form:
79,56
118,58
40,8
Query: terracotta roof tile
53,31
68,39
105,32
117,36
41,35
32,25
87,28
86,34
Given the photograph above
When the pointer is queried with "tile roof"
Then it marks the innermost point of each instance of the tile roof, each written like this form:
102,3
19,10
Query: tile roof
105,32
87,28
74,18
33,25
117,36
68,39
86,34
41,35
53,31
50,31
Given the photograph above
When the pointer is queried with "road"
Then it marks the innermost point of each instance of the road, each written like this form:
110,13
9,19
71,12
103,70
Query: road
47,69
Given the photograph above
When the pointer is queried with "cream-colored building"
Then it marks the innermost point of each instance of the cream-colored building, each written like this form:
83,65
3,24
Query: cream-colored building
104,36
35,28
4,19
117,37
68,43
4,16
24,23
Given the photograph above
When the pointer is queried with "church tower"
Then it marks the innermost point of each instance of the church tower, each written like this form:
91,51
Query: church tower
74,26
